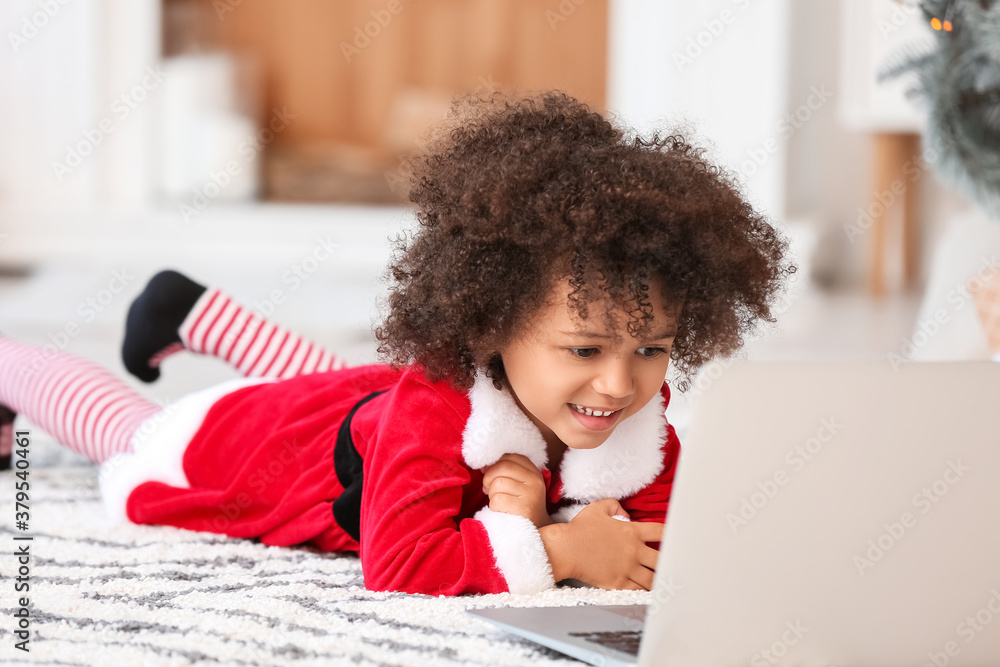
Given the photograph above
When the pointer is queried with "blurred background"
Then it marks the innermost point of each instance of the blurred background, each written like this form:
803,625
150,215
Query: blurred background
256,144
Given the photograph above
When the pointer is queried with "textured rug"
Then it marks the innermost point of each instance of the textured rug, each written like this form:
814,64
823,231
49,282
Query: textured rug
152,595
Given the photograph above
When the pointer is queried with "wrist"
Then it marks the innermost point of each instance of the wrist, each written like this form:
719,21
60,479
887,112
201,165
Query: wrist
560,558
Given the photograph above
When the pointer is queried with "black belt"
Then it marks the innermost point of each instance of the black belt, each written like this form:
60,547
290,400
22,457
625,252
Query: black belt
348,465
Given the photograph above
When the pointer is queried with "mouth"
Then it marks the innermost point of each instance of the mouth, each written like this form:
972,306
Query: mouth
595,419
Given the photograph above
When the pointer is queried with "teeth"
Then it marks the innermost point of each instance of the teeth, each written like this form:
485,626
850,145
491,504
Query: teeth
594,413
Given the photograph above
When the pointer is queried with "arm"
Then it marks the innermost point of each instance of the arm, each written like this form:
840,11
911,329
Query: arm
420,528
650,504
593,547
602,551
632,560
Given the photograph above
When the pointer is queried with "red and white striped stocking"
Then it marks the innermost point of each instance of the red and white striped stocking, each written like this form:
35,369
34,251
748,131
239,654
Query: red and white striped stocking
219,326
84,406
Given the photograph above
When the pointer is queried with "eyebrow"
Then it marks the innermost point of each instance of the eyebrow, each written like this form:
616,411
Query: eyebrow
672,333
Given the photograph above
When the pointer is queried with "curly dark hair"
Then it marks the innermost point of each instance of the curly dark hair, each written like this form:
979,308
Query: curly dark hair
514,193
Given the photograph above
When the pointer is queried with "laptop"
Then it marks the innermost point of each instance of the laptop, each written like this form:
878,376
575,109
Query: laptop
822,514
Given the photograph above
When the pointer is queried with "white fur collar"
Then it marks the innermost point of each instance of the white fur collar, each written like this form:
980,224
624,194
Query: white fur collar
628,461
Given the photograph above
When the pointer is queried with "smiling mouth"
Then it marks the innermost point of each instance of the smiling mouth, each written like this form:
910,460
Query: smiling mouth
593,412
596,420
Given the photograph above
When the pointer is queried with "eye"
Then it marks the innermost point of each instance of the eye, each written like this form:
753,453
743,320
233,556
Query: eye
582,352
651,352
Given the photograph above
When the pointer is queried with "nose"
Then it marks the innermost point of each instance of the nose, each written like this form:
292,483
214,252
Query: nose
615,378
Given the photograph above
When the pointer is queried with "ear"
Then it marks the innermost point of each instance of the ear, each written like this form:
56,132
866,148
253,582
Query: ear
496,372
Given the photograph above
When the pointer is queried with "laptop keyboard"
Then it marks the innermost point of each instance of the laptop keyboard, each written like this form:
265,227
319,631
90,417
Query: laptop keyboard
626,641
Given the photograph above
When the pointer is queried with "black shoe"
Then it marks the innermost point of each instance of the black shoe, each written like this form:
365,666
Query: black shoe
6,436
154,321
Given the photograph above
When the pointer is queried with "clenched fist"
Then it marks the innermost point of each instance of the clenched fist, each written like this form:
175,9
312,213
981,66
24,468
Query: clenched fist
516,486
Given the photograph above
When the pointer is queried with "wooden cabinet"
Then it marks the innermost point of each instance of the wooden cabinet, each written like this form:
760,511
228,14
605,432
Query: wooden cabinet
365,77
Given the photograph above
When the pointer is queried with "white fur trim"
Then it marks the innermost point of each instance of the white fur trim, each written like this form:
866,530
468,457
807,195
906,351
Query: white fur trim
158,447
628,461
497,426
519,551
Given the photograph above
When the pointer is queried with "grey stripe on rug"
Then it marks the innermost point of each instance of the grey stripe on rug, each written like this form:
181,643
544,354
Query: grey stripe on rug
154,595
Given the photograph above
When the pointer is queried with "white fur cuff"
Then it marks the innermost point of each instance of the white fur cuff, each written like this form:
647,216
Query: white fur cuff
519,551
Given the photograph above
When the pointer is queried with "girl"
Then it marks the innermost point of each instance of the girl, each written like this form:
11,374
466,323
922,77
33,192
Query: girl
516,437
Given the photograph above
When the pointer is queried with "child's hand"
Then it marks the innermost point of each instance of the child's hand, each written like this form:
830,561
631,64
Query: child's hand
602,551
516,486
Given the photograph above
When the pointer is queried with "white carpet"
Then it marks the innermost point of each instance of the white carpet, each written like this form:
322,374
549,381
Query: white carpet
152,595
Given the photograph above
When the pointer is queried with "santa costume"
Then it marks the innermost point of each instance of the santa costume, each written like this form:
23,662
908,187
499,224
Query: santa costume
384,463
371,459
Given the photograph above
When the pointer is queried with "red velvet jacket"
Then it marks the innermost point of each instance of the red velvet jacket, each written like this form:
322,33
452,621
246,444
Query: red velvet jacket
262,459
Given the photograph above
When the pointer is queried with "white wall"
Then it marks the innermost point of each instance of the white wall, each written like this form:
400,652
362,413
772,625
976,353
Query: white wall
50,77
77,94
771,72
718,65
637,82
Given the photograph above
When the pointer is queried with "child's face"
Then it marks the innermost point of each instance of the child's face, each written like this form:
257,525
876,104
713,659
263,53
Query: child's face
563,364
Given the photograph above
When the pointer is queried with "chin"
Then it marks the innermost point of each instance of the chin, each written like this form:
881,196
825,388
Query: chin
587,446
585,443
